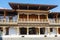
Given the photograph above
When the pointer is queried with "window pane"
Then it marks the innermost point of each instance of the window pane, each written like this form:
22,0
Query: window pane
42,30
23,31
32,30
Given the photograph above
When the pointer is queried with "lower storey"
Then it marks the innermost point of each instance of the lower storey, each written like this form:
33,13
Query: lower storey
30,31
31,38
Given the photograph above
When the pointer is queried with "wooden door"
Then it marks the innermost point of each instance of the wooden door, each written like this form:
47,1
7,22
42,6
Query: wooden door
59,30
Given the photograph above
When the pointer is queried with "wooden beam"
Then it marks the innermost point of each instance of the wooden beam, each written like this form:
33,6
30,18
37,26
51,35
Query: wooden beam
34,11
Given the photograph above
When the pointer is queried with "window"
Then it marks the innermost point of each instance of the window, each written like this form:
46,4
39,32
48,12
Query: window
33,16
23,16
23,31
43,17
51,29
42,30
10,16
59,30
7,31
1,30
15,18
51,16
32,30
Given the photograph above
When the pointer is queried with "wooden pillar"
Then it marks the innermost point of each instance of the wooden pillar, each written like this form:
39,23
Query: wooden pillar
17,30
27,17
4,31
48,30
18,6
27,30
27,7
57,30
56,17
47,17
39,7
4,16
48,8
38,17
39,30
18,17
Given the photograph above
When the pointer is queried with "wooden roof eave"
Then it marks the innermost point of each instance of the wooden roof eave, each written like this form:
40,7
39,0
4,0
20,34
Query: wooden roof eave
8,10
55,12
14,5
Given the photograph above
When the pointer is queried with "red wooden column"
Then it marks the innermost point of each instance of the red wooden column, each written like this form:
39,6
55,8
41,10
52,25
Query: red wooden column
56,17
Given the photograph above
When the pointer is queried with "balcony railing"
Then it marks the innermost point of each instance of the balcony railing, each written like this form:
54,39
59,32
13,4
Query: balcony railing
2,20
14,21
54,21
33,21
11,21
43,20
58,20
7,21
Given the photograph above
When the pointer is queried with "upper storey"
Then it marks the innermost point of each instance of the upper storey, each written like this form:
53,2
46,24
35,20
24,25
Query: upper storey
22,6
28,13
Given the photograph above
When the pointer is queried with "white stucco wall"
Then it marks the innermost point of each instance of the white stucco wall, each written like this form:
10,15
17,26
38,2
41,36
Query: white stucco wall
12,31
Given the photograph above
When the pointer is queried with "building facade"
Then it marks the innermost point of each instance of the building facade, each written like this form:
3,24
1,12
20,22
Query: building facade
29,22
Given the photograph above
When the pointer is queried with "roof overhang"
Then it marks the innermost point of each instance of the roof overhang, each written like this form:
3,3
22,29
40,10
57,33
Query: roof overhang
31,6
8,10
55,12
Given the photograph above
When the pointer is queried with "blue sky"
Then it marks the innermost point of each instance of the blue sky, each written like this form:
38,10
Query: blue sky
4,3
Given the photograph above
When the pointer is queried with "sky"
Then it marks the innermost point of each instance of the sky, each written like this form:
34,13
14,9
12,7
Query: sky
4,3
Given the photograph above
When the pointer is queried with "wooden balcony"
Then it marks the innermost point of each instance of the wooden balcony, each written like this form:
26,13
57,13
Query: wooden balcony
33,21
4,21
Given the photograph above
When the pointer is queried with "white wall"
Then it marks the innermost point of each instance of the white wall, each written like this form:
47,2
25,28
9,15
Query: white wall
12,31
